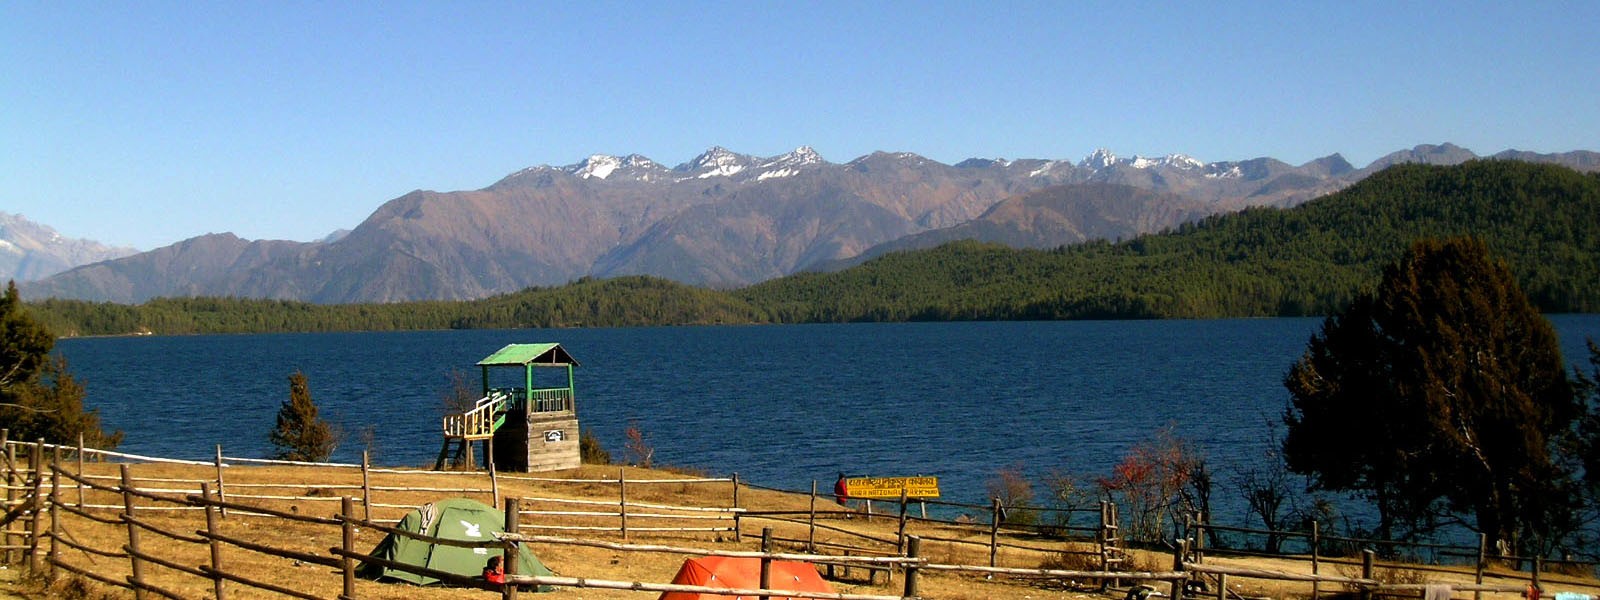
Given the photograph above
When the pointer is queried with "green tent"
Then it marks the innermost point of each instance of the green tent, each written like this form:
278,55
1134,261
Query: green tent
453,519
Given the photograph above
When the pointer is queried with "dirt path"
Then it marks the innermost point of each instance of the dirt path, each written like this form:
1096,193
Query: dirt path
8,584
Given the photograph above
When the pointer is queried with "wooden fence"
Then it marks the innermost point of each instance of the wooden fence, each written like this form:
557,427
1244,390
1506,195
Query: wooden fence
1350,554
128,530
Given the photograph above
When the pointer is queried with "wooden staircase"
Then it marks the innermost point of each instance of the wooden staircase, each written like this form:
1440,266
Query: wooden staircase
480,423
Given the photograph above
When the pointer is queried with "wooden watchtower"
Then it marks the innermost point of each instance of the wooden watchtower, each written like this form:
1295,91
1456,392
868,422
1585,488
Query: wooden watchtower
524,428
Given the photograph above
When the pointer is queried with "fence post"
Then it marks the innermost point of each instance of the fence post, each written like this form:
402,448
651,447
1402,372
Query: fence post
994,532
1538,567
1198,530
1222,586
133,549
494,477
213,529
55,516
811,521
913,550
1483,549
511,554
80,471
366,486
622,500
222,493
1181,549
1100,538
36,521
10,455
766,561
1316,557
347,539
1366,572
900,536
738,523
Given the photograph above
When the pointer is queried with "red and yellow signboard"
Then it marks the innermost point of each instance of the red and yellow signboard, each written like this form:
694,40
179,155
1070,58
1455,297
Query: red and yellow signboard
890,487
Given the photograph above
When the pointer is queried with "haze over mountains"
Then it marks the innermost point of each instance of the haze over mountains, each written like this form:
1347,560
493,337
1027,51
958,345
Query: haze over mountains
722,220
30,250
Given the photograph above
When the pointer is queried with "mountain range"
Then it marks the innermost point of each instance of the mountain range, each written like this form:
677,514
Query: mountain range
721,220
30,251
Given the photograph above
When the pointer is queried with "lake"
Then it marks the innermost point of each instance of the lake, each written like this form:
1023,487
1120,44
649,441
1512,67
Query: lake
779,404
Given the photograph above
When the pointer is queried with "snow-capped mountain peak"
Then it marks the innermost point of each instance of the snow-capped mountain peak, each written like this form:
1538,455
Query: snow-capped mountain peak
638,161
718,162
30,251
790,164
1103,158
597,166
1100,159
1182,161
799,157
1045,168
1175,161
1224,170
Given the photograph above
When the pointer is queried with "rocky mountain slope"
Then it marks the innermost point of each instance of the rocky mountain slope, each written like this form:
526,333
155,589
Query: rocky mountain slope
1056,216
30,250
723,219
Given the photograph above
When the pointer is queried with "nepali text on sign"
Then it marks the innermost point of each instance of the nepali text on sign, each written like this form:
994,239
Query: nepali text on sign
890,487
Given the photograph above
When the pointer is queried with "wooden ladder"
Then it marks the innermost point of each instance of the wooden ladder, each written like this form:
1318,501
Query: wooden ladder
1112,553
463,454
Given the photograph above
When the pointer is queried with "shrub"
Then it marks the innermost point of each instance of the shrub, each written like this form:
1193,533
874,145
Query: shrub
1015,493
639,450
590,450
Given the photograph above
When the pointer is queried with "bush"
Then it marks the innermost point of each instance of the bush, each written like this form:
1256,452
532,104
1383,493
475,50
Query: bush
590,450
1015,493
640,452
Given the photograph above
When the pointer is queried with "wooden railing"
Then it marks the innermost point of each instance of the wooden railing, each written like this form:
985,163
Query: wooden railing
550,400
481,421
541,400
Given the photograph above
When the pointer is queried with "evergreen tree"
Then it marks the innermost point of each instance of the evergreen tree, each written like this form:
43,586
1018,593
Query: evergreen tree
301,434
1587,442
24,343
39,399
1442,393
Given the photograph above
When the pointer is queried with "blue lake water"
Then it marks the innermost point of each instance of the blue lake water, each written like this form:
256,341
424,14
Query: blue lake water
780,405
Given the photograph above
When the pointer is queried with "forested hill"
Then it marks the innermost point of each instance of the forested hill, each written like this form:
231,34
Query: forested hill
1544,220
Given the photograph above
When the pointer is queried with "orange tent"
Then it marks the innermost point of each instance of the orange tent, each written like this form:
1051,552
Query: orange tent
744,573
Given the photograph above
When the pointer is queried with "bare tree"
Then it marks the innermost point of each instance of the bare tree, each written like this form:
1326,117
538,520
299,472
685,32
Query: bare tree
1266,489
638,448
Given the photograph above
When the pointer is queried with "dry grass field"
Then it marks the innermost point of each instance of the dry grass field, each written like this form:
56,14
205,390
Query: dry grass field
315,491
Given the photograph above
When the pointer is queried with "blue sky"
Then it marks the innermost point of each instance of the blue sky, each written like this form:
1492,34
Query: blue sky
145,123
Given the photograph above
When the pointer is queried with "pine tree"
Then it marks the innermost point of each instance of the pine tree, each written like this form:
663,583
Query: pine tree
1586,444
39,399
24,343
300,434
1441,394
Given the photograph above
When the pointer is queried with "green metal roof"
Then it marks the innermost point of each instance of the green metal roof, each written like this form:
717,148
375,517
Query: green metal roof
523,354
